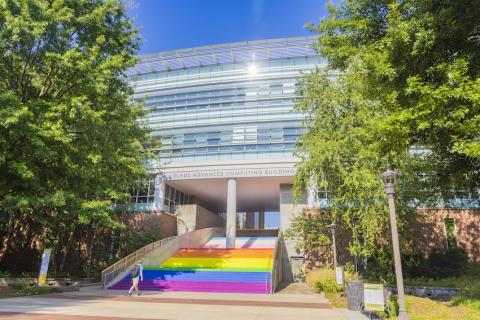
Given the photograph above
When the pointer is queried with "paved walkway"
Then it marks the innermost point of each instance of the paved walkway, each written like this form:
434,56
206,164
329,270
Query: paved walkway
95,304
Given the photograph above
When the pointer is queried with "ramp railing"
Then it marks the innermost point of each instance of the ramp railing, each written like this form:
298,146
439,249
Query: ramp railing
110,273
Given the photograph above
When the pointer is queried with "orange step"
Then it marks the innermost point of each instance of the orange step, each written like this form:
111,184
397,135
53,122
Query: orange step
224,253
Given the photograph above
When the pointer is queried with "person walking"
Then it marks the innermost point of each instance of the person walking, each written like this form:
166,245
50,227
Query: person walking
137,275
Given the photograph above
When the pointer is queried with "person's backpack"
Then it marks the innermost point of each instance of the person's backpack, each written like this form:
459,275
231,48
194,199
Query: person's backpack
135,272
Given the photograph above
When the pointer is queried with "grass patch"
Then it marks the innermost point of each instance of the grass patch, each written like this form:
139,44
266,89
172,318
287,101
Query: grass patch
323,280
469,295
427,309
337,299
464,306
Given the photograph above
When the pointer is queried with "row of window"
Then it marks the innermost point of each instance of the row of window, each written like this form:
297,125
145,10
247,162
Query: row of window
247,143
241,67
243,105
237,133
244,155
233,148
246,90
160,123
265,76
215,87
146,194
250,95
174,197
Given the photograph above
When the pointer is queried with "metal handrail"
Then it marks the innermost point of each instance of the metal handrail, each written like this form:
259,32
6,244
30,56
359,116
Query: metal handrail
110,273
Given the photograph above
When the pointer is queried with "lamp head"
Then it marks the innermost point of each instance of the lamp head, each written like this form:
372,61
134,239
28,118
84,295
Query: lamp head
388,178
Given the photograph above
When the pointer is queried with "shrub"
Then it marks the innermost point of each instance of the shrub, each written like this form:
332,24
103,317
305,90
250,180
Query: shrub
23,290
328,286
323,279
451,263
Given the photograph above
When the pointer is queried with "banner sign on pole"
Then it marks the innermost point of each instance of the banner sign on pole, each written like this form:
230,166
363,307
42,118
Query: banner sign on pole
339,275
373,297
42,278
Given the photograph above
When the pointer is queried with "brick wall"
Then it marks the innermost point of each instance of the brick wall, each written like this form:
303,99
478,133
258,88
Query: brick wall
429,231
163,224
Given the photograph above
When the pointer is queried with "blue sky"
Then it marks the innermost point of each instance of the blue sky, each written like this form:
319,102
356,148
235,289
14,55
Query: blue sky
177,24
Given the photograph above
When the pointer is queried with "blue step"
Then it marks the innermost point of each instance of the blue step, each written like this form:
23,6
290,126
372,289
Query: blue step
217,276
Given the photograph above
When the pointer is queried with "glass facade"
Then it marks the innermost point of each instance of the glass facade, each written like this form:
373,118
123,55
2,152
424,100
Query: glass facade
235,110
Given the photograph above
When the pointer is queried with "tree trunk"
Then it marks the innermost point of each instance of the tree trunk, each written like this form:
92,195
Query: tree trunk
65,252
7,241
90,250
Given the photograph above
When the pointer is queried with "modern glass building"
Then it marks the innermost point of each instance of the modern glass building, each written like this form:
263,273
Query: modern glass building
225,121
219,112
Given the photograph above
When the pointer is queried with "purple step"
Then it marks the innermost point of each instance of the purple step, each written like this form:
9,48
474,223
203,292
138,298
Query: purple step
197,286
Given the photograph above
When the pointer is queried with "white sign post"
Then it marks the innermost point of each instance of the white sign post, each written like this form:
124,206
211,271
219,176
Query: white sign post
339,276
373,297
42,277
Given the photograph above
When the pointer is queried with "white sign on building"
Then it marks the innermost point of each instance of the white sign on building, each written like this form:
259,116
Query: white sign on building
230,173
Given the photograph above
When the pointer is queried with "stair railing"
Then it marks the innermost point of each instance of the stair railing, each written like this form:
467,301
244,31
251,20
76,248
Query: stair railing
110,273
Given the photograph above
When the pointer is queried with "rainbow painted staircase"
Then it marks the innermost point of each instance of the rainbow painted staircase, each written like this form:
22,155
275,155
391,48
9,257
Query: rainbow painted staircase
212,268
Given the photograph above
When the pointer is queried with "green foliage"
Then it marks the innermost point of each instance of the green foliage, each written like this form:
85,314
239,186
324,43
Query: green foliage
404,94
447,264
70,138
21,290
328,286
438,265
310,231
131,240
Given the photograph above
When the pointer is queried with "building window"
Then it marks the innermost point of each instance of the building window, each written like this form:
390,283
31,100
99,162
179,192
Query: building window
175,197
145,193
450,233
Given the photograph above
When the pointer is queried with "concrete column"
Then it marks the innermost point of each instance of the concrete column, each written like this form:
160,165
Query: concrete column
231,212
261,219
159,198
250,223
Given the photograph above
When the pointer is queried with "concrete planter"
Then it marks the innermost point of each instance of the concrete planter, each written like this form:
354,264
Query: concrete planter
422,291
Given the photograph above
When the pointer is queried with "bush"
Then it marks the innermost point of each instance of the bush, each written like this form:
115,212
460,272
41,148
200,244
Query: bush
328,286
451,263
323,279
439,265
23,290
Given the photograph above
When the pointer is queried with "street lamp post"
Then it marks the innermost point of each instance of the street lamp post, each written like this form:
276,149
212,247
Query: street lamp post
388,178
334,245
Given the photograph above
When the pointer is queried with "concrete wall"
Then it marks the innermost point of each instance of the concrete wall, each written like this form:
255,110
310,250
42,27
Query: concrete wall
194,239
192,217
160,223
292,256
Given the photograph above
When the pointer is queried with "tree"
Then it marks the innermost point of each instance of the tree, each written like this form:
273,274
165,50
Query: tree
70,138
406,96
